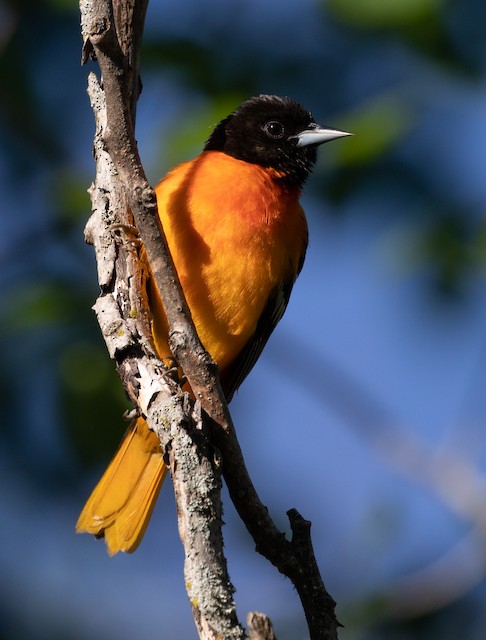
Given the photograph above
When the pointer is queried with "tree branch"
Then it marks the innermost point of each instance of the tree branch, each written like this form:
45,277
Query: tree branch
122,309
112,35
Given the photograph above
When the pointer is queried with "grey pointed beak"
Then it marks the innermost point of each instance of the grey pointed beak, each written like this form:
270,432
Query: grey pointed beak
315,135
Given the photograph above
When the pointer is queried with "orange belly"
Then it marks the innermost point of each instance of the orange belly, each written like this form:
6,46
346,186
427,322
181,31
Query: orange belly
231,247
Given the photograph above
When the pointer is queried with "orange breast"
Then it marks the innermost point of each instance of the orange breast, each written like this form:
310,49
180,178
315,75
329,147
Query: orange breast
234,233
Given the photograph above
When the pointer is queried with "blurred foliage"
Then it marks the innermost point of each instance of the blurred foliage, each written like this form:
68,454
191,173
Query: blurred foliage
379,125
375,66
452,247
422,24
385,15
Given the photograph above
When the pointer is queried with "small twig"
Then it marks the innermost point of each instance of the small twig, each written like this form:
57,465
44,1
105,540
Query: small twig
259,626
295,559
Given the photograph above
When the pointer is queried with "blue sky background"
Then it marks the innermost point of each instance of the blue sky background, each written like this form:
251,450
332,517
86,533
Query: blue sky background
366,411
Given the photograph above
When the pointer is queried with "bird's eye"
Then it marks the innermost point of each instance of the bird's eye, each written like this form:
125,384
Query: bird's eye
274,129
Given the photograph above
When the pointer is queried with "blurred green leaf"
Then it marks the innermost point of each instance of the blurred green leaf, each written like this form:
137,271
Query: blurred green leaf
85,367
40,304
63,5
93,401
71,197
479,247
454,248
376,127
383,13
185,142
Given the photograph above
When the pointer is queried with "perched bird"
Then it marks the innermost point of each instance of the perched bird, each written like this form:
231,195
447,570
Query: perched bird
238,238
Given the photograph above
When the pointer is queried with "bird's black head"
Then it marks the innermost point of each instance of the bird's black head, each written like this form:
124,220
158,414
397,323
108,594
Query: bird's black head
272,132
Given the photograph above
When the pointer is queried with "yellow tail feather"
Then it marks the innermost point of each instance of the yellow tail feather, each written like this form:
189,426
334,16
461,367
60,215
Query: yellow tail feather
122,502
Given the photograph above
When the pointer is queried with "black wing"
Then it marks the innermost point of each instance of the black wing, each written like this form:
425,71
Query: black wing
233,376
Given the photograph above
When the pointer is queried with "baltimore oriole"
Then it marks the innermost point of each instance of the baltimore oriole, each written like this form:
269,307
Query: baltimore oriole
238,237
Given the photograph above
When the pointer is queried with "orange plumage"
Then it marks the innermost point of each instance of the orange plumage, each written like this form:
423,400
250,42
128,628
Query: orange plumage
238,236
